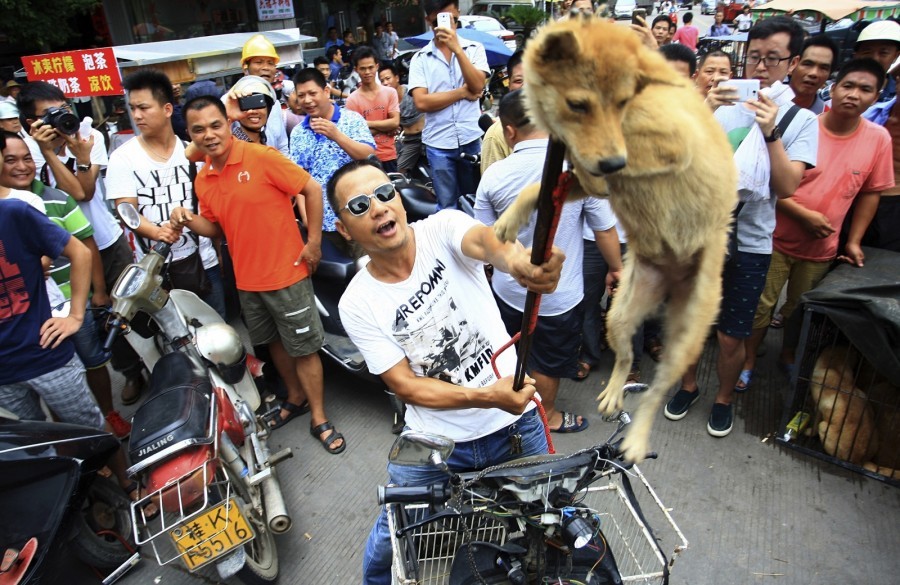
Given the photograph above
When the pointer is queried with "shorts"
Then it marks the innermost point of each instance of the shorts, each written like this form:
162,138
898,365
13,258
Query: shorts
556,343
289,313
89,340
743,280
65,391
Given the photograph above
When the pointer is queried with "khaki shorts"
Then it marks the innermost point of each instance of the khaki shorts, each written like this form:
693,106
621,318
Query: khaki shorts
289,313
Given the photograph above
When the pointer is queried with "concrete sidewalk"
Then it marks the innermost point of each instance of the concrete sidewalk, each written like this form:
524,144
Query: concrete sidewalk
754,511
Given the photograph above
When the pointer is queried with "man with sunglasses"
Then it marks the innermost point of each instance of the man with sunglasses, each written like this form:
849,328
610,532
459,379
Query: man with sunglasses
424,318
245,192
446,80
791,136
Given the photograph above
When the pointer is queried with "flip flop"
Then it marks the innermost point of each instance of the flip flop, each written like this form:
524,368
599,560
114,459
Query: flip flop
584,370
744,380
570,424
328,441
274,415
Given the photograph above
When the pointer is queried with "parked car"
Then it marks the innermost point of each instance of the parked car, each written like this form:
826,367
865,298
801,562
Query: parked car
624,8
491,26
708,6
498,9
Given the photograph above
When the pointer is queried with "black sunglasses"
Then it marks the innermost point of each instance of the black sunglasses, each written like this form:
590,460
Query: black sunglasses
360,204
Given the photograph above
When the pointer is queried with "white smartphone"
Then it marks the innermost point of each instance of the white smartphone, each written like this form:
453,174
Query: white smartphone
747,89
445,20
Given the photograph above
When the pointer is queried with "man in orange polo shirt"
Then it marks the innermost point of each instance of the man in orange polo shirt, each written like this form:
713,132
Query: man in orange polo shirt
245,193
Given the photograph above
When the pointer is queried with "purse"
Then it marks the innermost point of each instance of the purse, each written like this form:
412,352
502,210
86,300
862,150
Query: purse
188,273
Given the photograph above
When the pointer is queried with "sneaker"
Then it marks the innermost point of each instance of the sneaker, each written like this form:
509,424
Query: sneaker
678,405
721,419
121,428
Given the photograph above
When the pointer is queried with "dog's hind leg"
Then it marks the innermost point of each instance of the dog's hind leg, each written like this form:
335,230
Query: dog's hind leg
691,309
639,294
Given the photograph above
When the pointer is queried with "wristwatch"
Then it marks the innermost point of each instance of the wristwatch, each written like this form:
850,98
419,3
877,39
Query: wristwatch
775,135
83,168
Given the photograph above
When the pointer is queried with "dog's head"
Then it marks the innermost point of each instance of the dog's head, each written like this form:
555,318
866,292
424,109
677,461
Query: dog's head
581,76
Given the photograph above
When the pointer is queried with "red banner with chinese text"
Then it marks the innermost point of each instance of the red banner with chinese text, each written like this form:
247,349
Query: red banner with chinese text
84,73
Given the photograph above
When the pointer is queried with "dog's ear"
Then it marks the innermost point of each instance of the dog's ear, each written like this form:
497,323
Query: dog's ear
559,46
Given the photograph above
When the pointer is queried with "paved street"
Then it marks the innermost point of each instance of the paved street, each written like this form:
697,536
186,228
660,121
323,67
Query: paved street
753,511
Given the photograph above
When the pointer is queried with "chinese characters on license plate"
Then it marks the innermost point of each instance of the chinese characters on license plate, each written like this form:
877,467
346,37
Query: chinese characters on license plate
211,535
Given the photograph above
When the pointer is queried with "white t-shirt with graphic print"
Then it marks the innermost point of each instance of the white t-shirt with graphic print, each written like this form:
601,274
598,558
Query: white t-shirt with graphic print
159,188
442,319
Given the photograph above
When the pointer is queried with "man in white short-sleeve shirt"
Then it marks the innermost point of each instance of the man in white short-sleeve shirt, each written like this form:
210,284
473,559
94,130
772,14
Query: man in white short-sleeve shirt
557,337
152,173
422,314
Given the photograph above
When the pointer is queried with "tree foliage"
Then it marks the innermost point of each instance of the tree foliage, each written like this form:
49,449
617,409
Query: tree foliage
41,24
528,17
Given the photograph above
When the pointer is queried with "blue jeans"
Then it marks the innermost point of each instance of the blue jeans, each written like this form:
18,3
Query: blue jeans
452,177
468,456
216,296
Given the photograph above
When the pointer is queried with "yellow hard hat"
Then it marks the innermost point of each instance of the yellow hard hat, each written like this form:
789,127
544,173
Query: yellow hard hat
258,46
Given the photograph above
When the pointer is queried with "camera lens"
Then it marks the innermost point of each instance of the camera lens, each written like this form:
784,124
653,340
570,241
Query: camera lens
62,120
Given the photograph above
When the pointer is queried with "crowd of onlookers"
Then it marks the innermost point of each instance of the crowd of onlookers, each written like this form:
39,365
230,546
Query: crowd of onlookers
814,149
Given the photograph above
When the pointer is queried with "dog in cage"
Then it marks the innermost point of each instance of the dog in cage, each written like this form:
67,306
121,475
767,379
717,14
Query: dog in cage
844,419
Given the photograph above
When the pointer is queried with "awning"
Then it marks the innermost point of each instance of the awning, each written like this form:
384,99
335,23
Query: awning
206,57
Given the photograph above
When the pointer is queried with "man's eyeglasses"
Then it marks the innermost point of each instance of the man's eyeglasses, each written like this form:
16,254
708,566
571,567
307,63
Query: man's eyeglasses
360,204
770,62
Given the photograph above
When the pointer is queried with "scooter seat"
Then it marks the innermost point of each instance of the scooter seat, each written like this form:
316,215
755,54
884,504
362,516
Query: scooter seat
335,266
176,411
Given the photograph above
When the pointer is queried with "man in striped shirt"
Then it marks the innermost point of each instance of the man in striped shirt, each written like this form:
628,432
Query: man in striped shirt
18,173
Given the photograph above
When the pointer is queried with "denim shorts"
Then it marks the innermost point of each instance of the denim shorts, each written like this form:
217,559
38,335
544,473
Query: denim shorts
743,280
88,342
289,313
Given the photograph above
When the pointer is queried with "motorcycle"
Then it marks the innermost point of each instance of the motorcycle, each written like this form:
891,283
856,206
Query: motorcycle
52,499
197,445
541,519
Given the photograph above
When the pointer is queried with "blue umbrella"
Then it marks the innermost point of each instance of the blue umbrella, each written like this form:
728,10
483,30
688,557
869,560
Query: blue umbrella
497,53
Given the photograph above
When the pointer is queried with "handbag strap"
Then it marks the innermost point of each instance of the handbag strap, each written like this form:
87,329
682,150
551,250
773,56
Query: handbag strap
192,173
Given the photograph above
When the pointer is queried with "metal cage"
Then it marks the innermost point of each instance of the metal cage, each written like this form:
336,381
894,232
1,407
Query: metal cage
851,412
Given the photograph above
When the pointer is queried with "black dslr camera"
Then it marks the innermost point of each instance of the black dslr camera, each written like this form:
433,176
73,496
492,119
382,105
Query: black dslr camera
62,120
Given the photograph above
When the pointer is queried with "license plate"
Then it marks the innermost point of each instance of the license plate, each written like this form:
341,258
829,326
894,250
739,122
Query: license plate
211,535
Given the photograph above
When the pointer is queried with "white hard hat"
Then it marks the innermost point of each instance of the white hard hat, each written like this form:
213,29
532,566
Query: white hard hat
882,30
8,110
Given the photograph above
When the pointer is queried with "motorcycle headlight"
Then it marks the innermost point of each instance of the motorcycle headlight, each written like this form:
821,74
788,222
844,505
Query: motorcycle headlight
130,281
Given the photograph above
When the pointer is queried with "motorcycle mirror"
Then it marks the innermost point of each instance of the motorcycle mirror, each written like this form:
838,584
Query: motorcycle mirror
415,449
129,215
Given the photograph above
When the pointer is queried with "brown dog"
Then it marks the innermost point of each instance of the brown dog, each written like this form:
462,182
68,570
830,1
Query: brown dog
638,133
844,420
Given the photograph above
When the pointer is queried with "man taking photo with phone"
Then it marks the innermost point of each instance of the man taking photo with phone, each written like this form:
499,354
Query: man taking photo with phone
446,80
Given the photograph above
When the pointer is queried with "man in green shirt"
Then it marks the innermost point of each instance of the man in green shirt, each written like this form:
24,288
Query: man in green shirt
18,174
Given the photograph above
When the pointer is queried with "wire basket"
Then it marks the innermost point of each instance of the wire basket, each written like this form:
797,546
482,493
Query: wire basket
425,556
